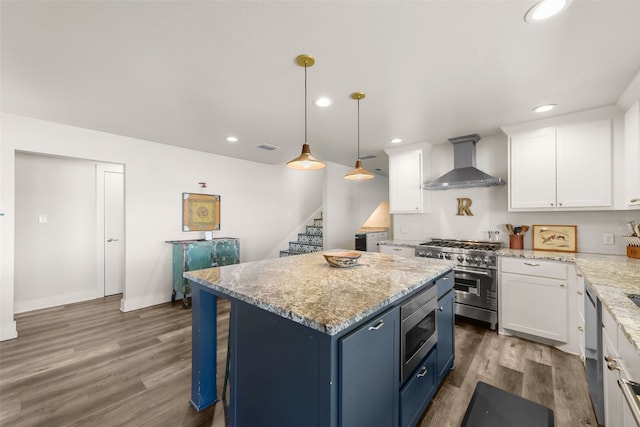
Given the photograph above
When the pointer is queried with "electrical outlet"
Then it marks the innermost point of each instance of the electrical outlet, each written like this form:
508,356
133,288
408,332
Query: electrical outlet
42,219
607,238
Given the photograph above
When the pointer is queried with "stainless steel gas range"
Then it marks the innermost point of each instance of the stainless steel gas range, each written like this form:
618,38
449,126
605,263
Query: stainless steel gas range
476,281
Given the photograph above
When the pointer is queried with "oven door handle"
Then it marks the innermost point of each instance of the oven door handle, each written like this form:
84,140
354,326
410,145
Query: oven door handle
479,272
630,396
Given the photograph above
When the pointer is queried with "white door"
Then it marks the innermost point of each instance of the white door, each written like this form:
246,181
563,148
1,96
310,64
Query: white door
113,233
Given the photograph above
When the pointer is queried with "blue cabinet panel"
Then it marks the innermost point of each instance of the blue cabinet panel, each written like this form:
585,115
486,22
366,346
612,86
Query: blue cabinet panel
446,333
369,371
418,391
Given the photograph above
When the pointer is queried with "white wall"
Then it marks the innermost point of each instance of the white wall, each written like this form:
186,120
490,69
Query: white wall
63,190
348,204
260,203
490,205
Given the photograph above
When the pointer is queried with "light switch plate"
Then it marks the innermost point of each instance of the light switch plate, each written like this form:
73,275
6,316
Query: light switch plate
607,239
42,219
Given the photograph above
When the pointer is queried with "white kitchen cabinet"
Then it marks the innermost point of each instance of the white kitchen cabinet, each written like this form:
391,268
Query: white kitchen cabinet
405,182
532,170
579,297
612,395
374,238
561,168
622,360
632,155
533,298
405,251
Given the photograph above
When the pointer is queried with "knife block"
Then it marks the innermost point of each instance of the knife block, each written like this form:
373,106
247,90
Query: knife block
633,251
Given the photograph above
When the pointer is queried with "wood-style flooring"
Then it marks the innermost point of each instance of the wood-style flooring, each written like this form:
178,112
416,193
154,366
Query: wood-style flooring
89,364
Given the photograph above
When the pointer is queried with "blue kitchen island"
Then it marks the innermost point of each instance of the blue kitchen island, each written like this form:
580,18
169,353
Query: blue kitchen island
314,345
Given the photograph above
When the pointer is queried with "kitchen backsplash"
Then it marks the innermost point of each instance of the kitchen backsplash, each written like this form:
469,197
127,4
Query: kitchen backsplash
489,210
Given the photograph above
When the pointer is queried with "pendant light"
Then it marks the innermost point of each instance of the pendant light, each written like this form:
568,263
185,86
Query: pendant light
359,173
305,161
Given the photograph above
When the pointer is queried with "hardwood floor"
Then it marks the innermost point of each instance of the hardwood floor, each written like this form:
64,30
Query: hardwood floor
89,364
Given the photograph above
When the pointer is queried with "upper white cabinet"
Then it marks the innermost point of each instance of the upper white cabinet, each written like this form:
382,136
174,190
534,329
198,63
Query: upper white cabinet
561,168
405,182
632,155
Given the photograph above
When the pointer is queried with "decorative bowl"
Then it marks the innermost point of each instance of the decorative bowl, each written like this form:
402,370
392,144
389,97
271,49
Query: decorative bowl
342,259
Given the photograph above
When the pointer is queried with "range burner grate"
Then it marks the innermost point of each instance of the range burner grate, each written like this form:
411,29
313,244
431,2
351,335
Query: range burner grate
477,245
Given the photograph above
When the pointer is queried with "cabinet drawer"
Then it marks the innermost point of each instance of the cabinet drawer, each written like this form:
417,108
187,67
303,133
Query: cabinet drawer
534,267
405,251
417,392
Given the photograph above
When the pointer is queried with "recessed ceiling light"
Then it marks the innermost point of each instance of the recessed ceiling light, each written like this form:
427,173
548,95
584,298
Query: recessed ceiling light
395,140
323,102
545,10
544,108
232,139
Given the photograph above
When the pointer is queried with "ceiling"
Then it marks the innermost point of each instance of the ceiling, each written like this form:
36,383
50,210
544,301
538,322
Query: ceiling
190,73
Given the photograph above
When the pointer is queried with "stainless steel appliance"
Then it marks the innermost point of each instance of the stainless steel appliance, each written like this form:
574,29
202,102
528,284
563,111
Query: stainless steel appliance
593,352
418,330
476,280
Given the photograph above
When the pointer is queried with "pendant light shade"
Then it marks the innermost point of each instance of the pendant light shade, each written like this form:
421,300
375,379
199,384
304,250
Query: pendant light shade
305,161
358,173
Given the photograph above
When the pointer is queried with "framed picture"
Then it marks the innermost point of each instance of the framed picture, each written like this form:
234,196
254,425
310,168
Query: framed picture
200,212
562,238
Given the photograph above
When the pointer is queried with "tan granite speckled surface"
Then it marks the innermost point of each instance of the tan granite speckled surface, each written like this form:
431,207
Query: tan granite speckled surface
611,276
305,289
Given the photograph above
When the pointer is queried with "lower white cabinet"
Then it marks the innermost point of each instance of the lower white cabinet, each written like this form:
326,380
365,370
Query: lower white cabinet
533,298
612,395
579,298
621,361
405,251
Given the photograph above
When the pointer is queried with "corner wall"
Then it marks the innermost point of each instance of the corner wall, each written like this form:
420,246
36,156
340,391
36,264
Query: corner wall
260,203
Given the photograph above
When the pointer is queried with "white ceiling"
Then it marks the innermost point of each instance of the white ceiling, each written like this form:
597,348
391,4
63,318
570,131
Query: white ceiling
189,73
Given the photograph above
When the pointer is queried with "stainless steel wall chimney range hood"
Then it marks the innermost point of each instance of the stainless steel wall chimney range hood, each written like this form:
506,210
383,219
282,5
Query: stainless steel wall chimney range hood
464,173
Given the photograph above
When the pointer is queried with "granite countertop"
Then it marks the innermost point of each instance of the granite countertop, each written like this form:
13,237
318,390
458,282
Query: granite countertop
305,289
408,243
611,276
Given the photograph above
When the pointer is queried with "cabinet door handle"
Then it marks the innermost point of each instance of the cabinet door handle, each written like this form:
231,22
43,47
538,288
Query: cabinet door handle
635,200
378,326
551,204
109,240
579,292
562,285
422,372
397,249
580,328
440,308
532,264
560,204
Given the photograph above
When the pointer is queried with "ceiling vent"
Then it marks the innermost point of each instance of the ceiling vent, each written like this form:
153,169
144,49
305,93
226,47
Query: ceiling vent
268,147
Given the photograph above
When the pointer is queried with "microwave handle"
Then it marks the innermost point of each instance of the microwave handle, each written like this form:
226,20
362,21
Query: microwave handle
630,396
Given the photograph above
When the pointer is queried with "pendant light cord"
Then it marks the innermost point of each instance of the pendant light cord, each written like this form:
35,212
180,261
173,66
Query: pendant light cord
305,102
358,129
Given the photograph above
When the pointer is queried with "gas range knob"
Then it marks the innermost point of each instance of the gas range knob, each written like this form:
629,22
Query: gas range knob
460,258
447,256
440,255
477,260
468,259
486,260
